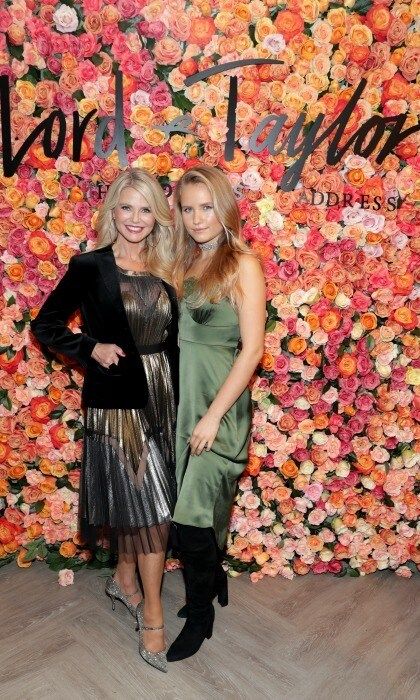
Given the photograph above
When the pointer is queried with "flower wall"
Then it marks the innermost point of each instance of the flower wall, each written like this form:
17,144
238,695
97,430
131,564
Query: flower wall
331,480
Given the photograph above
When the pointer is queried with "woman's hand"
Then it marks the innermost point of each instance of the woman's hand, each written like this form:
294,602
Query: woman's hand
107,354
204,434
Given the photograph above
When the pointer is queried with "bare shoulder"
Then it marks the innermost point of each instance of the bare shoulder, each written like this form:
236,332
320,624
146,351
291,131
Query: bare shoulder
250,267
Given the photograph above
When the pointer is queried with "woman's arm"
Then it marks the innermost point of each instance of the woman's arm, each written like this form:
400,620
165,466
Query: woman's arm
251,309
49,327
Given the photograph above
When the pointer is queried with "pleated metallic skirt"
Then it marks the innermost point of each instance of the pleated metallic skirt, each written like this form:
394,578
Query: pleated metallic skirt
128,478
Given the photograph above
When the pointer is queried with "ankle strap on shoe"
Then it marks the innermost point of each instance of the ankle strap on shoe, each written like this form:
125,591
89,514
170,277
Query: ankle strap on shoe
154,628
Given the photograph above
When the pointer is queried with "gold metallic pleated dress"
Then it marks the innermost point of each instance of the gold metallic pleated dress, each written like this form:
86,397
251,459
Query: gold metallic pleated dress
128,482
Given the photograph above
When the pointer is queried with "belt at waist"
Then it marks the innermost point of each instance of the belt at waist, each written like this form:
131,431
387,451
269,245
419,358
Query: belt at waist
152,349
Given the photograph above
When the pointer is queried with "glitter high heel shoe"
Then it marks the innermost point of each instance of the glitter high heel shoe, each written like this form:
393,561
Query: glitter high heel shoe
154,658
113,590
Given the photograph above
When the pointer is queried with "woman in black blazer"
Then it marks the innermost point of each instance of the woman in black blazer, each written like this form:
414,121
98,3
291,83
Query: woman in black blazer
128,347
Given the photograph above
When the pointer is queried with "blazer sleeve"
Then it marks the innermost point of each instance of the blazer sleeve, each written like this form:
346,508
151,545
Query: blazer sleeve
50,325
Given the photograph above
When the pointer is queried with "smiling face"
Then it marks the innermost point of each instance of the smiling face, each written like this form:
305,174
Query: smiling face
198,213
133,218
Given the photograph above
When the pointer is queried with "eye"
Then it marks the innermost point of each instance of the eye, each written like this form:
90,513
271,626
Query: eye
208,206
145,210
125,206
186,209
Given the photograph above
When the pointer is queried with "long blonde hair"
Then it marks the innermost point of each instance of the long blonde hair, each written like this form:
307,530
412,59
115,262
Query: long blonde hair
220,279
160,242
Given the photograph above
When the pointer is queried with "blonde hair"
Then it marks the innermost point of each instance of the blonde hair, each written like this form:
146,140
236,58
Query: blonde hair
160,242
220,279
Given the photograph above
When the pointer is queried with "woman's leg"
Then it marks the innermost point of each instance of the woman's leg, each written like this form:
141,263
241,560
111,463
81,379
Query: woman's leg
151,572
126,572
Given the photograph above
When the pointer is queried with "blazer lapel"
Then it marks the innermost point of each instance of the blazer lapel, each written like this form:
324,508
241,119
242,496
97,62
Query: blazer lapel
108,269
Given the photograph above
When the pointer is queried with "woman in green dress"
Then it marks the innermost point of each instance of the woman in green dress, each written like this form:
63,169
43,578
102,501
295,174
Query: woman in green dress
221,334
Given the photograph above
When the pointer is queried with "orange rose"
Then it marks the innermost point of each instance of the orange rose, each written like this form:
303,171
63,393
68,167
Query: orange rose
40,245
356,177
33,430
300,568
15,271
267,362
254,465
76,195
248,91
297,345
281,493
315,543
21,561
40,409
202,30
289,469
368,321
313,320
347,365
10,364
405,317
336,499
68,549
58,435
379,20
34,530
32,222
4,489
45,466
237,165
17,472
49,485
331,320
287,422
289,24
4,452
365,464
37,158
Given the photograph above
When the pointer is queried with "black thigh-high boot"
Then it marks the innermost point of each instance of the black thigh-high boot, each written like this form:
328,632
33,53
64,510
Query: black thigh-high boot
220,585
199,553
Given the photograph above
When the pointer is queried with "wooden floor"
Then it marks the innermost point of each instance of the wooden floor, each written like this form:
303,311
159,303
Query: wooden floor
314,637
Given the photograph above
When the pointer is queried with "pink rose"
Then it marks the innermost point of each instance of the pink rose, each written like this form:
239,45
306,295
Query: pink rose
404,572
317,516
313,491
168,51
65,577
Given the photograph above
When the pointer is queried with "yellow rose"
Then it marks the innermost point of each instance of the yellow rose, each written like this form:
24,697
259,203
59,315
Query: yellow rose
412,376
142,115
154,137
51,188
146,161
86,105
25,90
14,197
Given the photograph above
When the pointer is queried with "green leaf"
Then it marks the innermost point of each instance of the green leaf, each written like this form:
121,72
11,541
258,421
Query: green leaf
354,573
182,102
57,412
11,300
78,434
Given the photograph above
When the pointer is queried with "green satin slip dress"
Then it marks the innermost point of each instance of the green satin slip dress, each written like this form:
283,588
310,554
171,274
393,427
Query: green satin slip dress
209,337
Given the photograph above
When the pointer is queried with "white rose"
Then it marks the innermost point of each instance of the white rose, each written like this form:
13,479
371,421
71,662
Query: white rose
306,467
319,438
274,43
342,301
312,295
357,331
383,370
252,179
275,220
302,404
368,483
66,19
342,469
326,554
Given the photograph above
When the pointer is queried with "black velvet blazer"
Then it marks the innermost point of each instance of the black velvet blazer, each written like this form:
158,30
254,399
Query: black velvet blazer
91,284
